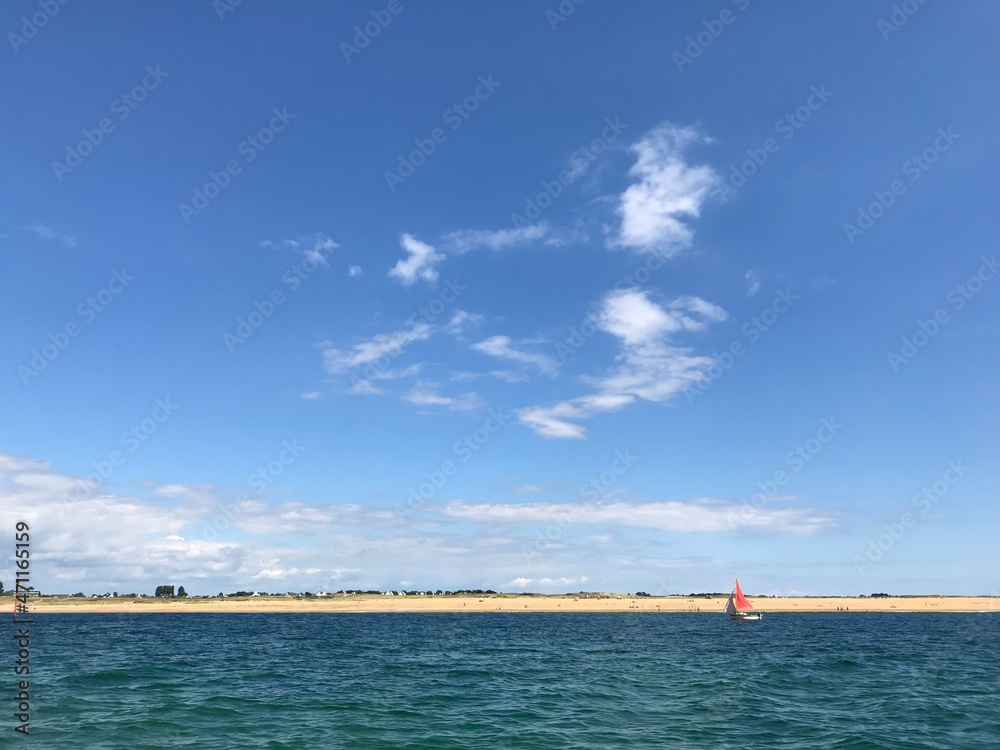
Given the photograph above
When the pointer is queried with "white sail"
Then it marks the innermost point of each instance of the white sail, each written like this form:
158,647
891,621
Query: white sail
731,604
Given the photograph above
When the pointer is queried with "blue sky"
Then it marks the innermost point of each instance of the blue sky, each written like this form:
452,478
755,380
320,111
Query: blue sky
632,297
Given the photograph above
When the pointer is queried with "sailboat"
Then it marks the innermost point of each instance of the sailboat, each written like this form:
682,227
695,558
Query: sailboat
738,607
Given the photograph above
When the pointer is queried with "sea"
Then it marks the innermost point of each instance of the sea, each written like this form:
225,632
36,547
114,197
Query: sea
507,680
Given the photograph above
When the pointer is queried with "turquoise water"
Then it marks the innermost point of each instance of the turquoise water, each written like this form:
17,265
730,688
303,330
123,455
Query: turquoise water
513,681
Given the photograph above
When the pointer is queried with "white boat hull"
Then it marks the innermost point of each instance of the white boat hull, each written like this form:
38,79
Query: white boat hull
746,615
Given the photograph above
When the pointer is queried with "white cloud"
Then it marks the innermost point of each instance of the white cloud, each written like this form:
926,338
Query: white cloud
399,373
649,366
296,517
631,316
699,516
519,583
554,421
311,395
561,581
362,387
355,271
667,190
753,282
418,264
500,346
187,491
464,240
314,247
200,537
382,345
462,319
275,575
560,237
10,464
47,233
426,394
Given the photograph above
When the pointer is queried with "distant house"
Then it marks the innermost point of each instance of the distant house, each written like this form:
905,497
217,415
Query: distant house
389,593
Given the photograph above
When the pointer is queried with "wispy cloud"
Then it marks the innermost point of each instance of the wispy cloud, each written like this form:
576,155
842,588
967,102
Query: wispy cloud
207,539
464,240
649,367
363,387
699,516
508,376
419,263
461,319
666,191
559,420
355,271
426,394
47,233
753,282
381,345
313,247
501,347
521,582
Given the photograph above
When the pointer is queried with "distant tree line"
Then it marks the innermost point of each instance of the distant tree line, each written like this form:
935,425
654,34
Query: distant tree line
168,592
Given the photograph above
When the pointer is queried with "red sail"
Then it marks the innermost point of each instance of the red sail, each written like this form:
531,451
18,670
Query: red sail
742,603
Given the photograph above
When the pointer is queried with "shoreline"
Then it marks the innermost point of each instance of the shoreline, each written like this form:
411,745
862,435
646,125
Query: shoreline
353,604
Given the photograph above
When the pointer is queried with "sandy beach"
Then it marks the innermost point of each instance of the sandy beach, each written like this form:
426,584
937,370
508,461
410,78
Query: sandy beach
509,603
